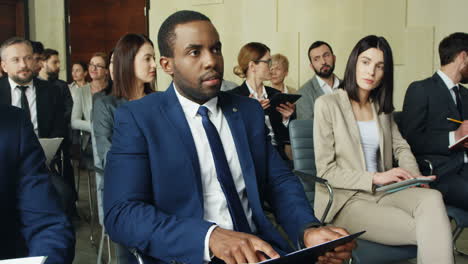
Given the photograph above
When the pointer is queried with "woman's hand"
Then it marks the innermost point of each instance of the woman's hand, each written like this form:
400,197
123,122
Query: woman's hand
286,110
265,103
391,176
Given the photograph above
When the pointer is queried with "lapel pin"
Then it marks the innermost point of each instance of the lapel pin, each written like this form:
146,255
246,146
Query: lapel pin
234,109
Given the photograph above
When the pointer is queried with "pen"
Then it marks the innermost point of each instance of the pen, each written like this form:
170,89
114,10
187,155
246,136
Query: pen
454,120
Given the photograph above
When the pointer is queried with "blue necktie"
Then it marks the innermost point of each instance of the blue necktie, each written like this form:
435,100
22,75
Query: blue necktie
224,174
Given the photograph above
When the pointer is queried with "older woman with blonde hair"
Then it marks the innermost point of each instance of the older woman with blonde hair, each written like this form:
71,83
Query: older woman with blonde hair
279,71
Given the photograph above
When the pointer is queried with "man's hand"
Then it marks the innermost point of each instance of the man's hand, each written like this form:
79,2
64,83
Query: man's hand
236,247
286,110
462,131
315,236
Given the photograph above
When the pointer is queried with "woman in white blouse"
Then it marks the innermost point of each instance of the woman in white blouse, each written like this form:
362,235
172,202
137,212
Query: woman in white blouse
356,141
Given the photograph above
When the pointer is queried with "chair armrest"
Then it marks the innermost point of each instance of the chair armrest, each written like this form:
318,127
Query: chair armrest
431,167
137,255
314,178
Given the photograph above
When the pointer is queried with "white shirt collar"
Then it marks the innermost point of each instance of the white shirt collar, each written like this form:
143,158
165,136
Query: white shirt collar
13,85
264,94
190,108
448,82
322,83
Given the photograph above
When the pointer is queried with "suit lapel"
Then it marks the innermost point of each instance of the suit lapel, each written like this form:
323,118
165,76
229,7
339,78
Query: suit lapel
5,91
42,104
317,87
351,122
174,114
445,93
231,112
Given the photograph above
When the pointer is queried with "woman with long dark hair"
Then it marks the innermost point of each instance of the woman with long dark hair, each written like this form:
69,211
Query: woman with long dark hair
356,141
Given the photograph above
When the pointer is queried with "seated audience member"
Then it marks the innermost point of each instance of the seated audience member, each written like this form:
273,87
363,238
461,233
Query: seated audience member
49,71
83,102
33,222
254,65
355,140
322,62
428,103
228,85
38,49
41,100
189,168
133,70
279,72
129,83
79,73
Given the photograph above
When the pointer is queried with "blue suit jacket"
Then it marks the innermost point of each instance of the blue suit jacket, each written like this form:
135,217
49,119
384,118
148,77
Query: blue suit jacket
153,198
32,222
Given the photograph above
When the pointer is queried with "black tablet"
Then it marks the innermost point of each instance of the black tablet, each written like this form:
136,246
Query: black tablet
281,98
310,255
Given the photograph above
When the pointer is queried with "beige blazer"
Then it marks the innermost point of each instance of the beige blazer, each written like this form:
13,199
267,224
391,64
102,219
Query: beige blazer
339,156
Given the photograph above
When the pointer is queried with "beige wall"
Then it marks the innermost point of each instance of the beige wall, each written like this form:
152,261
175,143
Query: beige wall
47,25
413,28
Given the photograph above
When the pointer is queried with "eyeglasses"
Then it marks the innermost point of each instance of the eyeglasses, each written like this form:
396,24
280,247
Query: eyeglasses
268,62
95,66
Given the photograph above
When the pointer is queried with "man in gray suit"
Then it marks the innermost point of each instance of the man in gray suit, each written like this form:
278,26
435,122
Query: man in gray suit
322,62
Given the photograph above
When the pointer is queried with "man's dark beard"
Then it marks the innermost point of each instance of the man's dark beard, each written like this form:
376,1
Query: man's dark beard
325,74
53,76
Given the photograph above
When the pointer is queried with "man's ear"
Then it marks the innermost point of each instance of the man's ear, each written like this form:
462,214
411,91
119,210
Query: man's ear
167,64
3,66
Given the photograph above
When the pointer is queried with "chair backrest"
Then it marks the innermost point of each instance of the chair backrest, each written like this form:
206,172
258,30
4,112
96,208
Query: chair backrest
301,134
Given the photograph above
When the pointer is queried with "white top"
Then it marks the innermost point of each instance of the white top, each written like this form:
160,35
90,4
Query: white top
370,144
325,87
264,95
450,85
31,95
214,201
82,106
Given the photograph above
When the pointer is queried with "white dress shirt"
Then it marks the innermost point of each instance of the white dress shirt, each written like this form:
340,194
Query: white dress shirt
214,201
31,95
450,85
326,88
263,96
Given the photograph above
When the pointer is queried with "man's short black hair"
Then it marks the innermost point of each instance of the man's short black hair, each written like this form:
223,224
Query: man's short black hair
451,46
49,53
37,46
317,44
166,35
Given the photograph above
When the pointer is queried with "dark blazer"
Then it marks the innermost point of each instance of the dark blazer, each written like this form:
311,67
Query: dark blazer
33,222
276,119
424,123
153,197
50,107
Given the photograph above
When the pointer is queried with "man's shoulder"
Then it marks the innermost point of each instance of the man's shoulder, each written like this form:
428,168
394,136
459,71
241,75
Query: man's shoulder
309,85
10,114
426,83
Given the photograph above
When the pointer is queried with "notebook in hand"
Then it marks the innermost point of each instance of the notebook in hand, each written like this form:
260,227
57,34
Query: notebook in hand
310,255
281,98
398,186
459,142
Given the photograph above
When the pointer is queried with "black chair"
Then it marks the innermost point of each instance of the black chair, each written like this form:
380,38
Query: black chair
301,135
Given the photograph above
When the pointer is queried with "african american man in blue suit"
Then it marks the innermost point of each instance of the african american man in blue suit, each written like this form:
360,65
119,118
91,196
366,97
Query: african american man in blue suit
33,222
190,168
